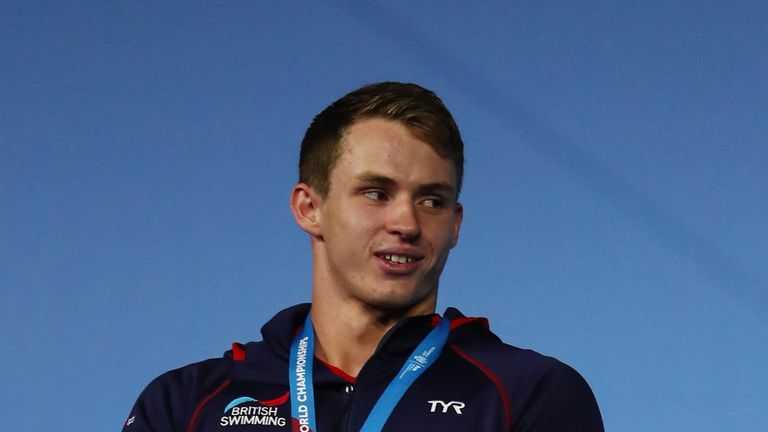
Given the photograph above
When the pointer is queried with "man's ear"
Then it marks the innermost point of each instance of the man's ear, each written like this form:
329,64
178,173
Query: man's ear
458,216
305,206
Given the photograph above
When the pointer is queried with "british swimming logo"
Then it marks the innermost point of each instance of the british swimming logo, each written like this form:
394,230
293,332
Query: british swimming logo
245,410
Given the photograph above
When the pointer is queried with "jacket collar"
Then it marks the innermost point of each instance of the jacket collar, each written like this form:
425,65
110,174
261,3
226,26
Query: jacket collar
395,346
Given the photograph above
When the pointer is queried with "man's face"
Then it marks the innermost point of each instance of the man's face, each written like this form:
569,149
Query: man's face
390,217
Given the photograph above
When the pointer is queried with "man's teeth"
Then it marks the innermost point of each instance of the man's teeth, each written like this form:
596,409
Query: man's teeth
398,259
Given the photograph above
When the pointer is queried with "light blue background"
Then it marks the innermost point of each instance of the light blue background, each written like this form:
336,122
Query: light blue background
615,190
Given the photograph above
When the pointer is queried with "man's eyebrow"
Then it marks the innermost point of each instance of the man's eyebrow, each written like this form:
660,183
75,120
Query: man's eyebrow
371,179
437,187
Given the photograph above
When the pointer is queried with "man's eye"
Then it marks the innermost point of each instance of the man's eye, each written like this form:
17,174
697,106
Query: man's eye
434,202
374,195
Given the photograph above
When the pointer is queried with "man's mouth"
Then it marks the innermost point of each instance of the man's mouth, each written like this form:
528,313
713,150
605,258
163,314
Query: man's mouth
398,264
398,259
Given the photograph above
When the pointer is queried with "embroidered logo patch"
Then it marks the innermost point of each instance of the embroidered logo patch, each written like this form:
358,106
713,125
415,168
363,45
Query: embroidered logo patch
440,406
245,410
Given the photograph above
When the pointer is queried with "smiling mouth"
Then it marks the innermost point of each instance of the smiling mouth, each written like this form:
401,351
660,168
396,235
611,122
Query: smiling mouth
398,259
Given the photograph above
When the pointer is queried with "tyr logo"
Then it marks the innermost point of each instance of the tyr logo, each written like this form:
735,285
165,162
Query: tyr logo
456,405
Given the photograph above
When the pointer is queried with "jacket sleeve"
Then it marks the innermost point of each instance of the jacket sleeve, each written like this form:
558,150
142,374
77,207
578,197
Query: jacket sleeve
561,401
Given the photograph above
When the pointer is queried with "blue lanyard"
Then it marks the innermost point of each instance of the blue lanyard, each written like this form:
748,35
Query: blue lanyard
300,377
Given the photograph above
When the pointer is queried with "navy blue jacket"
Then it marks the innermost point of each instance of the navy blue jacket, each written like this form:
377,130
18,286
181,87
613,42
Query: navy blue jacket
477,384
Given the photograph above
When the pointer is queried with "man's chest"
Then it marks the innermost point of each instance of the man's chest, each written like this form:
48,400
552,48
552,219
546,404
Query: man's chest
435,402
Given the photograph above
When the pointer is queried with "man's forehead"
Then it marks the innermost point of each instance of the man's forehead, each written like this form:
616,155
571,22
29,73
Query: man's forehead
389,148
378,131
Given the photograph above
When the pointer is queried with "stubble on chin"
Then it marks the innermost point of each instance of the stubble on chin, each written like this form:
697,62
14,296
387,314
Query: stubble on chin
402,302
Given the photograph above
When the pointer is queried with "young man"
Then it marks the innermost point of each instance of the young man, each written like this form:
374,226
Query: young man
380,175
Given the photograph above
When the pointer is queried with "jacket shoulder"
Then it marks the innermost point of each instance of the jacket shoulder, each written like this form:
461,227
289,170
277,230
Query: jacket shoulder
541,392
168,402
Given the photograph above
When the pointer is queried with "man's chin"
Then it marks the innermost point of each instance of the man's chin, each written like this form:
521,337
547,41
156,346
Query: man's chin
404,303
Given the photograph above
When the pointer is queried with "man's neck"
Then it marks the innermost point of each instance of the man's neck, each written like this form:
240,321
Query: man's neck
348,333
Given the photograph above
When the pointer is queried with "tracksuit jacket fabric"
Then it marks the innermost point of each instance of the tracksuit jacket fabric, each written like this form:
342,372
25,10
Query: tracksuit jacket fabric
477,384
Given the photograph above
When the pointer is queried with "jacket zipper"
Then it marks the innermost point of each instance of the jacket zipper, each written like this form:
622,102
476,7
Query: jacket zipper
350,391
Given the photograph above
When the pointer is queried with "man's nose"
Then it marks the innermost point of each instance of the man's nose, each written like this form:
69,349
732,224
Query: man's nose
403,220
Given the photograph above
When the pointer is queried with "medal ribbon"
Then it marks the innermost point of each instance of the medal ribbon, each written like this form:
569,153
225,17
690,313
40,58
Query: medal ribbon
300,377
